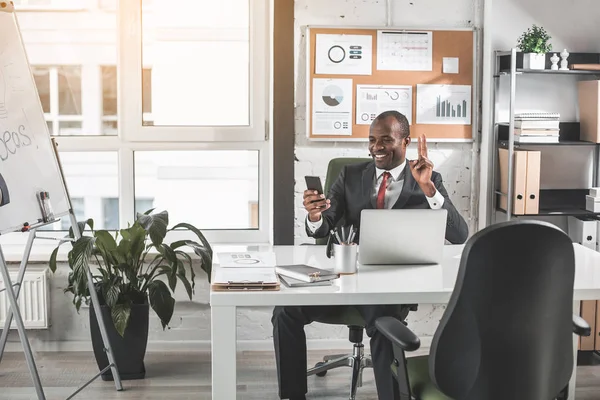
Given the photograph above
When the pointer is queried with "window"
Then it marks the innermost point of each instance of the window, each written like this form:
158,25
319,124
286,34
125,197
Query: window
211,189
109,99
59,88
165,109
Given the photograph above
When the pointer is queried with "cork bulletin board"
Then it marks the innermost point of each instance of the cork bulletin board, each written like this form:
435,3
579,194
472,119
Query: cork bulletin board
354,74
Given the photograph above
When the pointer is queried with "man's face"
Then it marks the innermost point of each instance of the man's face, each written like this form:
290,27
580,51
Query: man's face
386,145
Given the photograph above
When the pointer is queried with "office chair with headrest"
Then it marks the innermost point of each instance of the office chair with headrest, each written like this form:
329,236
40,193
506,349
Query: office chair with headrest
507,332
349,315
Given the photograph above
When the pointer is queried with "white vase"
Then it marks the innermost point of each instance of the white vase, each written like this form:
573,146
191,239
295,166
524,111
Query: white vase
534,61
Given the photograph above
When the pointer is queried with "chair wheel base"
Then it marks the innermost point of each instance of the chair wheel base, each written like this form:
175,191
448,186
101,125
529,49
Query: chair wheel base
320,374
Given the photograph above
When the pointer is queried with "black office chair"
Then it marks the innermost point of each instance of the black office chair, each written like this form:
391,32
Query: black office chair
507,332
348,315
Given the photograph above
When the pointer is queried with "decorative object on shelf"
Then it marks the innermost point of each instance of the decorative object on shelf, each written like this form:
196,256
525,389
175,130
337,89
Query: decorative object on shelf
563,63
554,59
534,44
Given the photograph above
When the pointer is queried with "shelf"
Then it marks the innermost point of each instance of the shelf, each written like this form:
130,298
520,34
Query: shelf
572,212
549,72
504,144
560,203
574,58
568,136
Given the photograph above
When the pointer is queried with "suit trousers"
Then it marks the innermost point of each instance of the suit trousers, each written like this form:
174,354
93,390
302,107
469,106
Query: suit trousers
290,346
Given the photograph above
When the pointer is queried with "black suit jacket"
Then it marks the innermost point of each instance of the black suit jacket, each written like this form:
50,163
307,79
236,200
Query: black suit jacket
352,192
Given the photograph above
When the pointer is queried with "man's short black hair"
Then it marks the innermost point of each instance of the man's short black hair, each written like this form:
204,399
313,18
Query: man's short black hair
400,118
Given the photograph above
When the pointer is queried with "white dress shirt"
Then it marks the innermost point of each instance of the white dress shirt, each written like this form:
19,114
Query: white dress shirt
394,188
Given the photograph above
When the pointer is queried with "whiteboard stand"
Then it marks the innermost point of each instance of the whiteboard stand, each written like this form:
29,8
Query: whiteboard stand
14,311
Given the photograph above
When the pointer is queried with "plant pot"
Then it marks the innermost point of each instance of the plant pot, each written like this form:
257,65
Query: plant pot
129,350
534,61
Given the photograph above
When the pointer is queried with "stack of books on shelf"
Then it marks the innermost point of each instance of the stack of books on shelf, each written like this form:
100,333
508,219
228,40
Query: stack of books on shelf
536,127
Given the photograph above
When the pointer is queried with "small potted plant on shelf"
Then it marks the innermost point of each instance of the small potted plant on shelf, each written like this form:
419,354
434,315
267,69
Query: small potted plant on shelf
135,270
534,44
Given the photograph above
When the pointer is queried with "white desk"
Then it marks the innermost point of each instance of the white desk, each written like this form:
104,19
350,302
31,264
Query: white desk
371,285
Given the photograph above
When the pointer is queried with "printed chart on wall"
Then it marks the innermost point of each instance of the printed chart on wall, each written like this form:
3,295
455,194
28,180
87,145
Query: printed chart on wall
404,50
344,54
444,104
371,100
332,107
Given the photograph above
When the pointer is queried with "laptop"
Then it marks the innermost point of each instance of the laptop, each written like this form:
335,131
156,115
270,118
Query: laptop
408,236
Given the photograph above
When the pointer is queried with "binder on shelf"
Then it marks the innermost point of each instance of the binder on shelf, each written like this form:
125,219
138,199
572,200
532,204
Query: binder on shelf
588,312
519,180
532,182
589,109
583,230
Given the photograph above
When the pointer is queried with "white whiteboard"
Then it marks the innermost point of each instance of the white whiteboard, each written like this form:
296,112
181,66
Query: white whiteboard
28,164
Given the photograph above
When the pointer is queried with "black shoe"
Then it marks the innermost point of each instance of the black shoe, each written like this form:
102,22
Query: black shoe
303,397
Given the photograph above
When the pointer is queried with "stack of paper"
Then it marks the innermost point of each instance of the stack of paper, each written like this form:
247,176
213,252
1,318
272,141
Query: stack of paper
537,127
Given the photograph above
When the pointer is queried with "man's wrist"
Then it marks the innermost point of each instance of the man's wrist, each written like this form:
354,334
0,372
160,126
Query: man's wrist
429,189
315,220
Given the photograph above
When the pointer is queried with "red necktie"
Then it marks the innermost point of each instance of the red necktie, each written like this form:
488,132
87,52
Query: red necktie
382,189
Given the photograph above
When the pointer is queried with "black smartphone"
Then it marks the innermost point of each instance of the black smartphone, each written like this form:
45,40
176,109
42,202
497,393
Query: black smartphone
314,183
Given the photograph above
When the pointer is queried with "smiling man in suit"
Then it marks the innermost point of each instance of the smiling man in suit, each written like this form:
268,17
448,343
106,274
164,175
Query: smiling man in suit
389,181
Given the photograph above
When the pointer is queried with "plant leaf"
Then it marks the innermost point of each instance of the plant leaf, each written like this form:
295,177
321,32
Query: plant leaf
82,249
198,233
156,225
161,301
172,275
81,225
111,292
52,263
201,251
120,316
186,283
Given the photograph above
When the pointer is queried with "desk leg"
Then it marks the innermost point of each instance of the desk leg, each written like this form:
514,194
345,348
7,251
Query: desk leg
576,311
223,344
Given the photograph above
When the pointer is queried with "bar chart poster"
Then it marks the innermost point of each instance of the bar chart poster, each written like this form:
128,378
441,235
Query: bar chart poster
444,104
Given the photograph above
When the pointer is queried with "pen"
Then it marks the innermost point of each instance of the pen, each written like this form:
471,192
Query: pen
352,235
337,236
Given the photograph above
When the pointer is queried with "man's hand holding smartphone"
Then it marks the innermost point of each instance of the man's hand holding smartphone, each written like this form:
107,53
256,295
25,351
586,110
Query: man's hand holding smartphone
314,199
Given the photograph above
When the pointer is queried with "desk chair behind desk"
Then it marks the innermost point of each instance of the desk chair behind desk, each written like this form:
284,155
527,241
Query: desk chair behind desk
507,332
349,315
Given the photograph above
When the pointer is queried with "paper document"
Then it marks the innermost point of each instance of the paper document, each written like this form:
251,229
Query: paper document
244,275
332,107
246,259
444,104
372,100
344,54
404,50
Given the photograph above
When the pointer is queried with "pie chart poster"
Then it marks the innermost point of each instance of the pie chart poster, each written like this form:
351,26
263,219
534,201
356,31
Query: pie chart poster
332,107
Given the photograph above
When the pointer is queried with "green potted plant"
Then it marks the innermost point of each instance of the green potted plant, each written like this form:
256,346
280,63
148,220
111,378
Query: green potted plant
534,44
135,270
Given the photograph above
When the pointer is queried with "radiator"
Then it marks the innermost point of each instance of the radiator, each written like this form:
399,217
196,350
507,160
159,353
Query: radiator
33,300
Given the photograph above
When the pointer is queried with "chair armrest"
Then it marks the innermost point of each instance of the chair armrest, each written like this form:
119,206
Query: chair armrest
398,333
580,326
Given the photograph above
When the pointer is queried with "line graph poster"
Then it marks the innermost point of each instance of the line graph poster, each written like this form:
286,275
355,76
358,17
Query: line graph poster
444,104
344,54
332,107
372,100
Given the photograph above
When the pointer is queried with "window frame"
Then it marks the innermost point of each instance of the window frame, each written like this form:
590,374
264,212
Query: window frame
133,136
130,64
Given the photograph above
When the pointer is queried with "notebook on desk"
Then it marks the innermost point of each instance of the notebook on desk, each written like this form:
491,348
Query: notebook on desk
306,273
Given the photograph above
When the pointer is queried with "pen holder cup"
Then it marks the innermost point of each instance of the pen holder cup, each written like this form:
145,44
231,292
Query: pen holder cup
345,258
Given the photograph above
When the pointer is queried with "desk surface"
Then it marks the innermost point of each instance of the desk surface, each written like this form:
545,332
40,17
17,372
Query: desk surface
390,284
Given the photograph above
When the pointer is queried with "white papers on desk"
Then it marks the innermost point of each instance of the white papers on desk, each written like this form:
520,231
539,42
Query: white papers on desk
404,50
246,259
246,275
372,100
